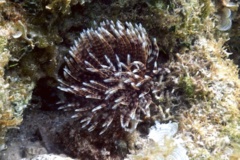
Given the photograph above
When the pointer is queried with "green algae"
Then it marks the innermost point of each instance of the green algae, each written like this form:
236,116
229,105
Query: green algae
187,84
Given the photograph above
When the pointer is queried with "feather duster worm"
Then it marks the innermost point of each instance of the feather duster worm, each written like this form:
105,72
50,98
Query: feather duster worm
111,71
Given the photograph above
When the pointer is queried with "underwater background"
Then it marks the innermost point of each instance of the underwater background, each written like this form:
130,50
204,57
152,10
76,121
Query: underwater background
193,85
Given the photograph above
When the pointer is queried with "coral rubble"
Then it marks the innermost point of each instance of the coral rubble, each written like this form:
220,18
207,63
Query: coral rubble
15,92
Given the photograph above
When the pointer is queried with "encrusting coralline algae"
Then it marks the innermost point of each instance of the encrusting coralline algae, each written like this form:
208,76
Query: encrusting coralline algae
161,144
